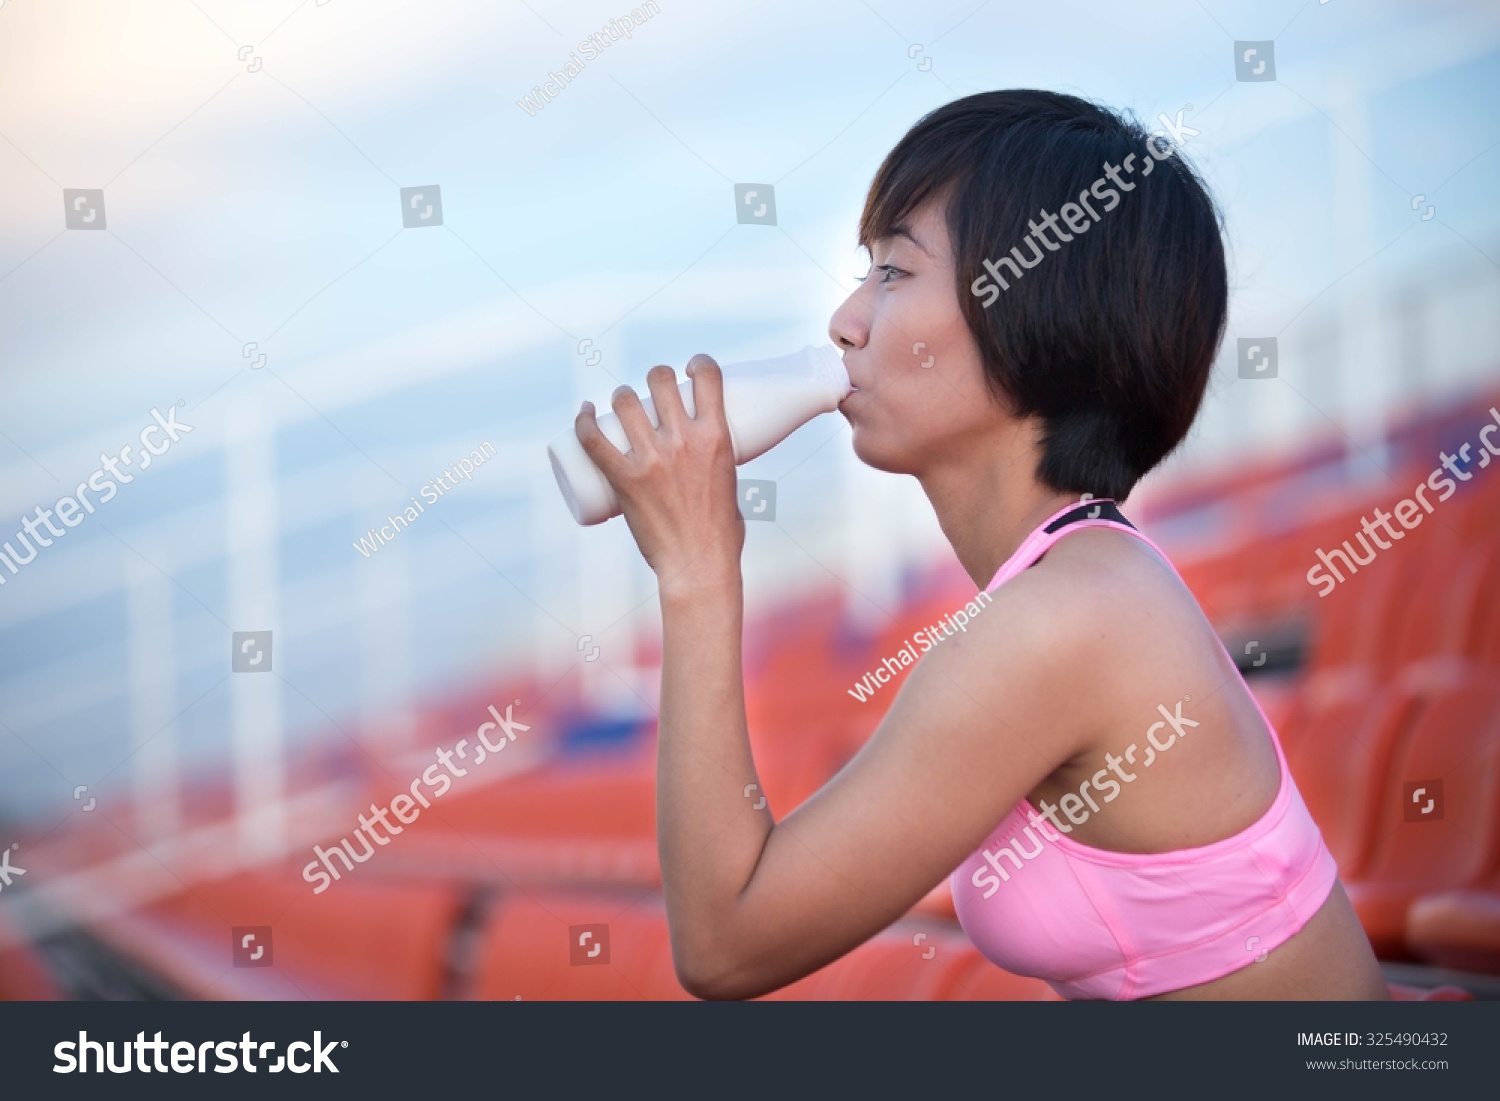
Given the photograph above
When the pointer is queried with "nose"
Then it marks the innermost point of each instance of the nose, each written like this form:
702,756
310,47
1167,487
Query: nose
849,327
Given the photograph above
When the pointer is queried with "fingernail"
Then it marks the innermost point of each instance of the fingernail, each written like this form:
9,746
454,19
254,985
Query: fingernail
586,407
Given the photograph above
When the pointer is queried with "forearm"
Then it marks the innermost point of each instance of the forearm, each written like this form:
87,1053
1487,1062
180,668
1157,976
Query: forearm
710,833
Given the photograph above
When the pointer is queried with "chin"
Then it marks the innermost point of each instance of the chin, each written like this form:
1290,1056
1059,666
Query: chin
868,451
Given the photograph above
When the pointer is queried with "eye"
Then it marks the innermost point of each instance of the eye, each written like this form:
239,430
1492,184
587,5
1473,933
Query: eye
888,270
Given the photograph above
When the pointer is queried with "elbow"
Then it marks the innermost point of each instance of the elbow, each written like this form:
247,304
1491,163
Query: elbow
707,987
704,976
707,970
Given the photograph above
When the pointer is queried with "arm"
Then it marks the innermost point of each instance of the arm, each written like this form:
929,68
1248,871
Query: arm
754,904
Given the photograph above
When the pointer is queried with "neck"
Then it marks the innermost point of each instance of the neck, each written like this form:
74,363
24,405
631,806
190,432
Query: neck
988,503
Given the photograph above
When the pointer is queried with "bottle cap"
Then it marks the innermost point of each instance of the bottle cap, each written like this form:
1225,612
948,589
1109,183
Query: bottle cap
586,491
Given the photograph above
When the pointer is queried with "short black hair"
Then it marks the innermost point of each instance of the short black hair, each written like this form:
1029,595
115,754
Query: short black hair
1110,339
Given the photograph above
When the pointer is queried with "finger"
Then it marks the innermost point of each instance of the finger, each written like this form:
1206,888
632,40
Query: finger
671,414
638,427
596,445
708,388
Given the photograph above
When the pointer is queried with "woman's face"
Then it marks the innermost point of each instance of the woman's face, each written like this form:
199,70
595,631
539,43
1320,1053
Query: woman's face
920,390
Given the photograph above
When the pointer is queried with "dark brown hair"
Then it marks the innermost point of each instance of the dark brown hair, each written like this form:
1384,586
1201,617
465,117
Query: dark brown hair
1110,337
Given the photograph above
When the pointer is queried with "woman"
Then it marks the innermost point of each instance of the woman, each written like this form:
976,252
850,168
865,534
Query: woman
1085,760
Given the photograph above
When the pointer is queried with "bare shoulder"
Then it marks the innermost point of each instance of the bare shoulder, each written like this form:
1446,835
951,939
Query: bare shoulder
1104,594
1113,626
1144,652
1114,574
1058,657
1046,649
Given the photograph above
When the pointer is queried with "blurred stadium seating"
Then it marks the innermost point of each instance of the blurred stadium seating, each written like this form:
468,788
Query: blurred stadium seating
1392,680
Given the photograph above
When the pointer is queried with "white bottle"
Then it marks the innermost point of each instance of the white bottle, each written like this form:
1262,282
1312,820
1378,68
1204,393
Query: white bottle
765,401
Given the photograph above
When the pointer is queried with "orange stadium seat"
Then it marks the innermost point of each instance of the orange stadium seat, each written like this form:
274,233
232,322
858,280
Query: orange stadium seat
358,940
23,976
610,797
901,964
1453,756
1438,587
1274,587
1479,510
1458,929
1483,641
1485,596
976,979
1340,760
573,822
1489,646
1352,619
580,823
526,945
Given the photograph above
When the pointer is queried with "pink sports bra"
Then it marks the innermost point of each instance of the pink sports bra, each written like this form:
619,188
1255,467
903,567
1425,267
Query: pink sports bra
1101,924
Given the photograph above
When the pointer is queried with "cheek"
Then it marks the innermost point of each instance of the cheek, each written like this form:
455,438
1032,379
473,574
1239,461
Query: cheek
909,417
915,316
919,398
928,316
925,410
928,384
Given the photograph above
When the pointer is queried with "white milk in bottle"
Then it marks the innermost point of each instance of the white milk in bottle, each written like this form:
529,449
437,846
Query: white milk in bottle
765,401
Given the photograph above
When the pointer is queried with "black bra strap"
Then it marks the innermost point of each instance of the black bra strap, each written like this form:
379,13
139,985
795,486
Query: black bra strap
1100,508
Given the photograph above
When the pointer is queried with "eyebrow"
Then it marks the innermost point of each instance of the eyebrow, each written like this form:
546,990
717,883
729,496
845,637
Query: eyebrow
901,229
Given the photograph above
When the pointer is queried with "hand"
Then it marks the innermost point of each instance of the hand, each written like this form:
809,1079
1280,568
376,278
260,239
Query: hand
676,484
